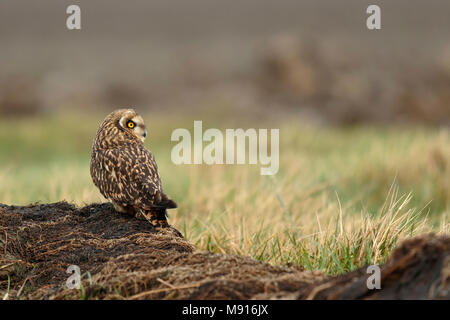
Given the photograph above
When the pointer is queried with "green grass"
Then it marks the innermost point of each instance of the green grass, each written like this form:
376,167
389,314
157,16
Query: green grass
341,199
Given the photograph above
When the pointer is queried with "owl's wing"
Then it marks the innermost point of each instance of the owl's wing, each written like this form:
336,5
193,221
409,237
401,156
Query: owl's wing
134,178
146,175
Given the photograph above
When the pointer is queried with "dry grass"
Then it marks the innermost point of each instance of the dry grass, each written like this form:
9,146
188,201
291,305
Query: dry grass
342,197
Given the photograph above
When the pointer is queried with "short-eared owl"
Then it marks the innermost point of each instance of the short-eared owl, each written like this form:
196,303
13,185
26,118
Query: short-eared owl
125,171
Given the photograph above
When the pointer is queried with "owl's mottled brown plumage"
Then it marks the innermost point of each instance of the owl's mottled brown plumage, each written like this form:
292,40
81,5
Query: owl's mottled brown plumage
125,171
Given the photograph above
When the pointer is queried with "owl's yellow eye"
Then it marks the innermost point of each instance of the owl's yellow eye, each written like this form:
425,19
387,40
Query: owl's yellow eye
130,124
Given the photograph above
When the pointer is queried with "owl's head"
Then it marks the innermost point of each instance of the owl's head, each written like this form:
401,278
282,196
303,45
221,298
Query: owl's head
133,123
120,127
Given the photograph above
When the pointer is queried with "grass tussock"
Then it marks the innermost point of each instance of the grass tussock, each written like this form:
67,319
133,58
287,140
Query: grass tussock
329,238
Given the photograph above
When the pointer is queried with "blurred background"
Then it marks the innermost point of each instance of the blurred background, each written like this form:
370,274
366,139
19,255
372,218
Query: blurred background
261,58
359,111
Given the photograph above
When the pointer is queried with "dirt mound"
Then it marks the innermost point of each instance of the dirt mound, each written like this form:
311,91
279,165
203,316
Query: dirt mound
417,269
121,257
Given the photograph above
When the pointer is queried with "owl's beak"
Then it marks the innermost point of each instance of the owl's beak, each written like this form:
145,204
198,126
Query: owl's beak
143,136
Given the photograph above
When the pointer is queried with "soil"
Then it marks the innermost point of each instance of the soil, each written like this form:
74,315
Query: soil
121,257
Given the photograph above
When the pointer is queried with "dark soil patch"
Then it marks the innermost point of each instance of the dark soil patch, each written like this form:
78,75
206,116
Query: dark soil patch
122,257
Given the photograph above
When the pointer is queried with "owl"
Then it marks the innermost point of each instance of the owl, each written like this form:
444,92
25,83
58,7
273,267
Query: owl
125,171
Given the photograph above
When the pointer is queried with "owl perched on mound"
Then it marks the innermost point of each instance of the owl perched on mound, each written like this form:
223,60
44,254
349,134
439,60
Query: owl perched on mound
125,171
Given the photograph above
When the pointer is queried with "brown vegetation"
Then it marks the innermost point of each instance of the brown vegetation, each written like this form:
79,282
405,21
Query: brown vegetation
122,257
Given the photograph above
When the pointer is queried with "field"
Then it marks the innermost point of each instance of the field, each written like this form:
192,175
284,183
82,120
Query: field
343,197
364,120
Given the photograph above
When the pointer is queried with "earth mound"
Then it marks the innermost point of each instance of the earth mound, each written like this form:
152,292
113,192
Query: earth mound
120,257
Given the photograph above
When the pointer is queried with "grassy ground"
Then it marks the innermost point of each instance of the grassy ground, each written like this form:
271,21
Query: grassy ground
342,197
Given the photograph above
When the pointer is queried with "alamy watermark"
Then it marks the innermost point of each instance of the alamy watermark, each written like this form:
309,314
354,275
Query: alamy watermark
73,21
373,22
374,281
227,148
74,281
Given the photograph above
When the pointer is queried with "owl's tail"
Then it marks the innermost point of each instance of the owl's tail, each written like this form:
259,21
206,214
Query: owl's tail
157,215
166,202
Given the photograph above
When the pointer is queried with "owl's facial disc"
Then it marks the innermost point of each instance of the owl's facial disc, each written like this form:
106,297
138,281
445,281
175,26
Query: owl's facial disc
135,124
140,131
